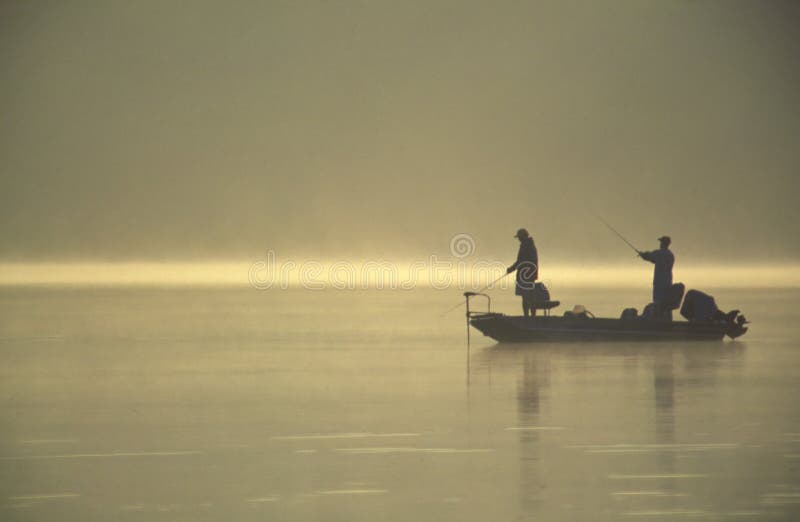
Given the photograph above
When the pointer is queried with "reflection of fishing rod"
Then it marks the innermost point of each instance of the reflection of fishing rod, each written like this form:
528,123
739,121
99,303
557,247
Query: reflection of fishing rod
478,292
618,234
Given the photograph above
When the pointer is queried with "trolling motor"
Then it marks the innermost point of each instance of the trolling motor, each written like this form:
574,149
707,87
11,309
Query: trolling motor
469,314
467,295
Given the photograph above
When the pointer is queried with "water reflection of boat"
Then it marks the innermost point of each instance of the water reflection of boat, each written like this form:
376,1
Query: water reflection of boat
622,422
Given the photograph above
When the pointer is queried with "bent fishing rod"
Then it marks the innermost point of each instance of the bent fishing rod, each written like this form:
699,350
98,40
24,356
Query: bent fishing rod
618,234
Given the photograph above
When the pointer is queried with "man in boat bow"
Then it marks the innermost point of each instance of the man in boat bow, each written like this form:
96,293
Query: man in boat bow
662,273
527,267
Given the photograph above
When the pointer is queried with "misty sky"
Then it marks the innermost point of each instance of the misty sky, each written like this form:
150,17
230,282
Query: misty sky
210,130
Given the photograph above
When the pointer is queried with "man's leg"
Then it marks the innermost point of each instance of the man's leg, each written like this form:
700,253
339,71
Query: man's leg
528,305
663,311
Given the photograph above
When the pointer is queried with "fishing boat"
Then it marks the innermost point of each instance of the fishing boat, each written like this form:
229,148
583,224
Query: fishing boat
583,327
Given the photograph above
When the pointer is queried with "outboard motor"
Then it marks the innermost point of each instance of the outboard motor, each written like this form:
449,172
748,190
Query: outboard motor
700,307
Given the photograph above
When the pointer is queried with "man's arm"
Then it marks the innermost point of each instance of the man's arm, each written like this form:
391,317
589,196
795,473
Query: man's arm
647,256
517,262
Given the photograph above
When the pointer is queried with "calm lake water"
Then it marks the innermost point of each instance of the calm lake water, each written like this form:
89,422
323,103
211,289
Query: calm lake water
238,404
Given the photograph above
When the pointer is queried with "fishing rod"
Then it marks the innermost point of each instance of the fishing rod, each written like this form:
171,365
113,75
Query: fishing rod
478,292
618,234
492,283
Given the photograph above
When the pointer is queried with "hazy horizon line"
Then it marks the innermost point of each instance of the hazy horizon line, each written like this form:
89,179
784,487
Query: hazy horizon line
384,274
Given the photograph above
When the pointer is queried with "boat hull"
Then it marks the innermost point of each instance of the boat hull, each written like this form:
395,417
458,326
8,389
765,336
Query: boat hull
509,329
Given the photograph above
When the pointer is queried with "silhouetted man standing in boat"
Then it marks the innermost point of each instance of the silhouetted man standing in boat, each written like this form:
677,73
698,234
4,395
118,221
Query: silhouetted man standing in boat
527,267
662,273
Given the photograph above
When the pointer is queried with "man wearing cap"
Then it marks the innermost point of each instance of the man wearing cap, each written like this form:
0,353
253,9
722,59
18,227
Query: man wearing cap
662,273
527,267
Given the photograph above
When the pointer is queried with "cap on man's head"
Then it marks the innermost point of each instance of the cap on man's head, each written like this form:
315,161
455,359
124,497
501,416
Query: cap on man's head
665,239
521,233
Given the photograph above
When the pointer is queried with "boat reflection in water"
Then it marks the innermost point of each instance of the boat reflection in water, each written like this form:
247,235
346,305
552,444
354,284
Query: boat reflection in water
635,428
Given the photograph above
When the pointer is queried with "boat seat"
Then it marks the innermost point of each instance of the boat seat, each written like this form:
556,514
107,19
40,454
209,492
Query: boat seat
545,305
